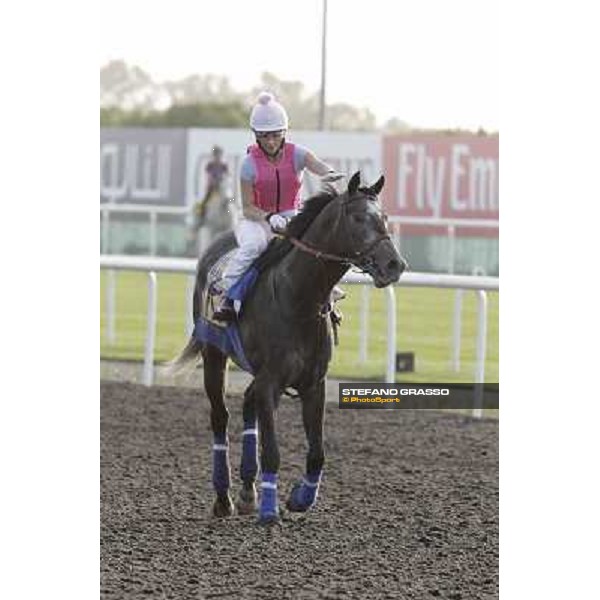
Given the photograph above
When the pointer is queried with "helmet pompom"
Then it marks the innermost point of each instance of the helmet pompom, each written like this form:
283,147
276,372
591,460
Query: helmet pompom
265,98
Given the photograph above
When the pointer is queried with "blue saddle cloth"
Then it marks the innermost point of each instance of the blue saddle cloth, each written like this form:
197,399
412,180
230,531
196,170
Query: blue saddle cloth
226,337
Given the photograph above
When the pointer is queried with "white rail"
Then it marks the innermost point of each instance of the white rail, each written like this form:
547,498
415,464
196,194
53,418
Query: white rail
187,266
145,208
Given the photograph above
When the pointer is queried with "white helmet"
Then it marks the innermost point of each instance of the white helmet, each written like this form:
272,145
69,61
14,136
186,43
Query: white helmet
268,114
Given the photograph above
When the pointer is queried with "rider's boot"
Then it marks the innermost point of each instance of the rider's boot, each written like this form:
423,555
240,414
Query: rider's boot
337,294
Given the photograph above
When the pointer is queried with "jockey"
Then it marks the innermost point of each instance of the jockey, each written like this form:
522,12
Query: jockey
216,172
271,175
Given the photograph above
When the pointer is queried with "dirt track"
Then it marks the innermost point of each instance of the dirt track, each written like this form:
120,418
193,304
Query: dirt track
408,507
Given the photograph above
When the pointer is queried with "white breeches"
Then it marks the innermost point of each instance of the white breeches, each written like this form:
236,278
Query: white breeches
252,238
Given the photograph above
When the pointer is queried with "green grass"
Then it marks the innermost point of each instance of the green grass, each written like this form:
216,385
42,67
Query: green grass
424,326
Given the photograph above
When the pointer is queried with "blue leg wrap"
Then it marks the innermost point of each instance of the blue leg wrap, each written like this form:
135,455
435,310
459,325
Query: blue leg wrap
221,478
249,466
305,495
268,498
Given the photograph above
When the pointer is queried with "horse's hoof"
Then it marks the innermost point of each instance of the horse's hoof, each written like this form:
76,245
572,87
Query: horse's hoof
223,507
293,507
269,519
293,503
246,503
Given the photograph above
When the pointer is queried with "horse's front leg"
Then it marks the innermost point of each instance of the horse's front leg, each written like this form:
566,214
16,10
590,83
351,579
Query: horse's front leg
266,396
304,494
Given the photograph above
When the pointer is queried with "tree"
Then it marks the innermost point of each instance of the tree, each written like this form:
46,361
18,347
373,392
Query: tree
129,87
130,97
395,125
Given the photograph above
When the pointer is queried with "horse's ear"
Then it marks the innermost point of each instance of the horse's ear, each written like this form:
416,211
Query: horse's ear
354,183
377,186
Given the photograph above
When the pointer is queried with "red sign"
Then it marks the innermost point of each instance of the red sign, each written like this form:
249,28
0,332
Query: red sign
437,176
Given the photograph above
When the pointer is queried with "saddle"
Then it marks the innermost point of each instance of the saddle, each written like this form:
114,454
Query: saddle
213,290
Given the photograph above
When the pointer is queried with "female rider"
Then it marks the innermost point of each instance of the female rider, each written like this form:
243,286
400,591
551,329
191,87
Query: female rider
271,175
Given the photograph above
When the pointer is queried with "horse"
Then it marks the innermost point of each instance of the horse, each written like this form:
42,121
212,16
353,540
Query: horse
287,337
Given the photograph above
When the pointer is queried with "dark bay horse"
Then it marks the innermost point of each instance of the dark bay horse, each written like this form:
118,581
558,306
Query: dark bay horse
287,338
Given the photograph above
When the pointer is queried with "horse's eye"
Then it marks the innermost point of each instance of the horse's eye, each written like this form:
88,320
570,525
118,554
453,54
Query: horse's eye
359,218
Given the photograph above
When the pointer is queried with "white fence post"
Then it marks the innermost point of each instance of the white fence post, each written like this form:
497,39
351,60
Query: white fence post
105,229
152,233
150,331
456,331
363,341
203,239
452,248
111,306
390,375
189,321
481,349
397,234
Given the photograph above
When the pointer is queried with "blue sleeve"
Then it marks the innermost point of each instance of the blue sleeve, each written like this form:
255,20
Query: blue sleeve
299,158
247,171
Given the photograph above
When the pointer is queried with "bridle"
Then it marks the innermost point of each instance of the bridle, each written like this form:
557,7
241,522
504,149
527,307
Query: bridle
361,260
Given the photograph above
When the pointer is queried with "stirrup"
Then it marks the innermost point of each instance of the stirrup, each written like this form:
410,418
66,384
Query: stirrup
337,316
225,312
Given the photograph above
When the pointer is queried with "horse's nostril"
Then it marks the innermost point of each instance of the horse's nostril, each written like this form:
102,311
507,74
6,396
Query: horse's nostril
393,265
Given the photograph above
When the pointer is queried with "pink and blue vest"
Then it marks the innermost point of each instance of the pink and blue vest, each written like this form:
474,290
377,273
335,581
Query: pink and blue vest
277,186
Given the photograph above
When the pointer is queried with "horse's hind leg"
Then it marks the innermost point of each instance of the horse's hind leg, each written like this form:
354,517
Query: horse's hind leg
214,382
266,398
246,503
304,494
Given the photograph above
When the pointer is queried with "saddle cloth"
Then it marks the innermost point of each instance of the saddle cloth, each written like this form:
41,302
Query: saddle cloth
224,336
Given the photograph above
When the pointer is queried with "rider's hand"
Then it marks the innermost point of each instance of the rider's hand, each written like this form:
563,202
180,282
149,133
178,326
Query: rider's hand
332,177
277,222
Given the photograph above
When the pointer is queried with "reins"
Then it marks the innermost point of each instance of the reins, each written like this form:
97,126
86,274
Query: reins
334,257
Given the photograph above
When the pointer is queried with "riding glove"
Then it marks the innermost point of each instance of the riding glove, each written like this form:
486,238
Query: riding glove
332,177
277,222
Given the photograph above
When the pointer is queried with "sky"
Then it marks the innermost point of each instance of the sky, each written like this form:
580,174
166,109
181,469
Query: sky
430,63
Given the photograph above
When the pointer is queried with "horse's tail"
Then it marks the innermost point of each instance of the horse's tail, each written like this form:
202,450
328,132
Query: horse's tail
188,355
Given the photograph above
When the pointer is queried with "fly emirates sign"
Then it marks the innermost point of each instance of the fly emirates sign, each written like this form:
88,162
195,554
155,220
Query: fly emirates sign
434,176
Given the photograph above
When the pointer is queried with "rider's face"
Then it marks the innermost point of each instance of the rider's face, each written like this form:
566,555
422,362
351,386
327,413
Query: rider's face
270,140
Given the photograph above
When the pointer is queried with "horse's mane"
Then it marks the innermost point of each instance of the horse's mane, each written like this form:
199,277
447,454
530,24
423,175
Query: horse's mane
296,228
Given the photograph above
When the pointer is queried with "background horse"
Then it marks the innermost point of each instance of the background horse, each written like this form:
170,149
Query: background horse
287,337
219,213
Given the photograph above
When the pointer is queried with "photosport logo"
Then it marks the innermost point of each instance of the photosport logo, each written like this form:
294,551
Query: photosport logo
416,395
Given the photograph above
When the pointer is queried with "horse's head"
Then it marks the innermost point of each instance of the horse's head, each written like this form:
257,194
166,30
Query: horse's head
362,233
